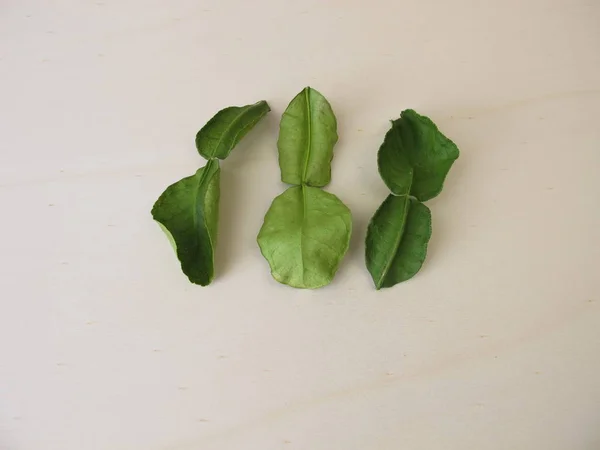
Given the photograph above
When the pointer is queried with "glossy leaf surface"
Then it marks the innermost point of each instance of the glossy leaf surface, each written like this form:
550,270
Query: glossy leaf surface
305,234
415,157
189,211
307,135
222,133
397,237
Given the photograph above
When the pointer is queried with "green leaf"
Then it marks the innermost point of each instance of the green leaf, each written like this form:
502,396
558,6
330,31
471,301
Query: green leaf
306,231
415,157
307,134
221,134
305,236
397,238
189,211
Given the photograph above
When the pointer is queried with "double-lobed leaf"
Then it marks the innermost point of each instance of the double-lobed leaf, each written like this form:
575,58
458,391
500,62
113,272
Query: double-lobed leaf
306,231
222,133
415,157
189,212
397,239
305,236
307,135
413,161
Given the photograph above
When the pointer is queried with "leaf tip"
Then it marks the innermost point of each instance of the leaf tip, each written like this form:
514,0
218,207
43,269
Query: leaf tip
263,103
409,112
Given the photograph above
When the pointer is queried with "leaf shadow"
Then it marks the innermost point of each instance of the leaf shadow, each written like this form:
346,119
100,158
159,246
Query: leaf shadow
229,205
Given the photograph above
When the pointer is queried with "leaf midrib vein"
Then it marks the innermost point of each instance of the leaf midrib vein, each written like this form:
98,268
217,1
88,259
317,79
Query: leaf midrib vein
207,169
303,179
228,129
309,135
401,231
